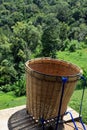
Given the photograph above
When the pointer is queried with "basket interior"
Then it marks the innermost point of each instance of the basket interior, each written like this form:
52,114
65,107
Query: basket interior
54,67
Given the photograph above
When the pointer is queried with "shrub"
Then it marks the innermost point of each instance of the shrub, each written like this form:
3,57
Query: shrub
73,46
6,88
19,87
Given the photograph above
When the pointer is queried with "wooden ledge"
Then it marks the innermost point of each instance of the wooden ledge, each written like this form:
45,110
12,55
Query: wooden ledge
16,117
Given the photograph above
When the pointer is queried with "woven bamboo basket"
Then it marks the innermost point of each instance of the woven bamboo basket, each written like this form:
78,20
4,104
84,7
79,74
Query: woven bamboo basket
44,84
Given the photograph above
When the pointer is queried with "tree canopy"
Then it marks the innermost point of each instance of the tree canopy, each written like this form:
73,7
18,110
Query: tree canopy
32,28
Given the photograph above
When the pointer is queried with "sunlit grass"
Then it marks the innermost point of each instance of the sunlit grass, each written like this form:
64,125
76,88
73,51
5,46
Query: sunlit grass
8,100
79,57
76,100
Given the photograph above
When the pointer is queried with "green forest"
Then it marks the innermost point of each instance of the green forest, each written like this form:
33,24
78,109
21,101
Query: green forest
38,28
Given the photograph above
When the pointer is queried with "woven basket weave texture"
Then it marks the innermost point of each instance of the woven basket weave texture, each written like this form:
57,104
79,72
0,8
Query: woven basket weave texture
44,84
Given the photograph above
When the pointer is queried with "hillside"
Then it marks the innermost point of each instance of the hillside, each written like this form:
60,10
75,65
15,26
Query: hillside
36,28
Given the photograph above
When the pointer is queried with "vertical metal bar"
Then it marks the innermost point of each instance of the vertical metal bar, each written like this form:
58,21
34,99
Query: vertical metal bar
42,122
80,112
82,123
64,80
82,77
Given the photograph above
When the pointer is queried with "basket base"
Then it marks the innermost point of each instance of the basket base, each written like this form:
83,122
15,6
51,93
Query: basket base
22,121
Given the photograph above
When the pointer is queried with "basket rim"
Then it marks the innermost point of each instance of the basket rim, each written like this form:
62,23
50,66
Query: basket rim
50,75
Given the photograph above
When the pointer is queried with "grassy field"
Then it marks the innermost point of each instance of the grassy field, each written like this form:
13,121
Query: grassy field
79,57
75,103
8,100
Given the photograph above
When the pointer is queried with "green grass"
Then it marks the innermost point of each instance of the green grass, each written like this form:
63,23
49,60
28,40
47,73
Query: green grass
8,100
75,103
79,57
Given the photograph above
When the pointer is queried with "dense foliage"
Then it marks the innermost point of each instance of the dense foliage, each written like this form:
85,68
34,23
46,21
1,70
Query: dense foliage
35,28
